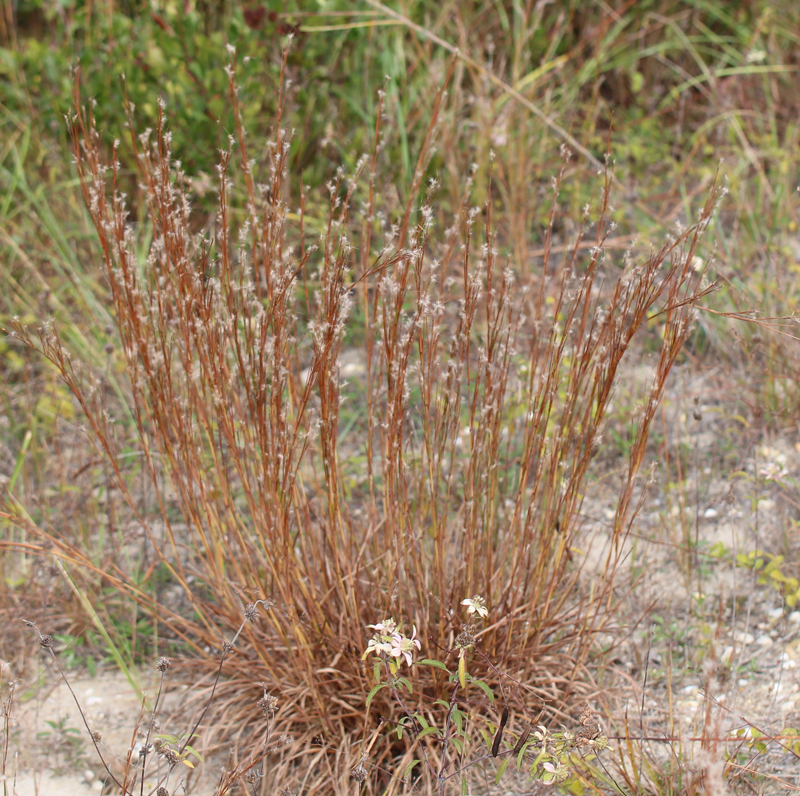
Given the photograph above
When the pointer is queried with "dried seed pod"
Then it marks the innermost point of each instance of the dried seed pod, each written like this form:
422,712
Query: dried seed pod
498,738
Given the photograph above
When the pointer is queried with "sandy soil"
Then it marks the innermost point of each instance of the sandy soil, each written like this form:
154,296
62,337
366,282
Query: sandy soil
60,759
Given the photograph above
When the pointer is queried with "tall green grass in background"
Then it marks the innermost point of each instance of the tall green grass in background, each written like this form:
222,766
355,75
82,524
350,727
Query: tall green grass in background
337,323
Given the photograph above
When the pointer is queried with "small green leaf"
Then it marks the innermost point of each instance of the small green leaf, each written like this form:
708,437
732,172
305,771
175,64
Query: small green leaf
463,786
501,770
521,753
374,691
430,731
485,688
430,662
459,745
408,768
541,756
717,550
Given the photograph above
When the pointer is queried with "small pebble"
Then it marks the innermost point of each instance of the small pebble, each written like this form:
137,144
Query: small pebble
794,617
88,775
742,683
764,641
726,656
709,514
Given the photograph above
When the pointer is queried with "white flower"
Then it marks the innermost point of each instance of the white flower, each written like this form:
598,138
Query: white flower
387,628
381,642
404,646
378,644
476,605
774,471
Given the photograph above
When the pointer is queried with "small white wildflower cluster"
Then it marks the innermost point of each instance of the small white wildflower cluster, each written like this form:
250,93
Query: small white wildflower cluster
388,641
775,468
774,471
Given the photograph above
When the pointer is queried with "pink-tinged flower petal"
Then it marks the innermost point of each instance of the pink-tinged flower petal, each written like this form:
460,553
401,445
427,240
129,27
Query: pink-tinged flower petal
404,646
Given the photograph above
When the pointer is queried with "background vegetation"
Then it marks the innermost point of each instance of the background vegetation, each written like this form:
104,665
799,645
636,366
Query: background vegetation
201,411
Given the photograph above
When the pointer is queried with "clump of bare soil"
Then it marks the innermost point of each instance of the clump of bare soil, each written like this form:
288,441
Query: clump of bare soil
50,749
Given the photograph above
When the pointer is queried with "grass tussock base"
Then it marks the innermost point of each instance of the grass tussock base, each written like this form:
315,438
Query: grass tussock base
479,404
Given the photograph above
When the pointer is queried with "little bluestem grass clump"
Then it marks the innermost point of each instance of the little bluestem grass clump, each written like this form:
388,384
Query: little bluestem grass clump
479,406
